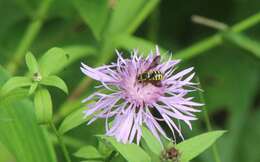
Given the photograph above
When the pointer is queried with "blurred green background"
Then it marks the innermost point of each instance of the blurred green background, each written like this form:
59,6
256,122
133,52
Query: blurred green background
228,64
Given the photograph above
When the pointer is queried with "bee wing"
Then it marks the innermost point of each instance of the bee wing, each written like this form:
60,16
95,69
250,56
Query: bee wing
155,62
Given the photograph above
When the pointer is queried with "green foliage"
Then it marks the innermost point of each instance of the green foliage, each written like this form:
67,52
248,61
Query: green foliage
31,63
73,120
191,148
52,61
123,21
56,82
96,20
43,106
244,42
131,152
21,126
88,152
40,74
154,145
33,88
15,82
21,135
89,31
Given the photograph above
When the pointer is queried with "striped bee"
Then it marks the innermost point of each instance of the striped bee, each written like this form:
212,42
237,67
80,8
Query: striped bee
151,76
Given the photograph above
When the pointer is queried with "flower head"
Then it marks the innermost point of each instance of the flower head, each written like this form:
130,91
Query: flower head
131,91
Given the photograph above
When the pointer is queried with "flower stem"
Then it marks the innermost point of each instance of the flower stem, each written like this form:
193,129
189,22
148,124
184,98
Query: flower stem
62,144
30,34
208,124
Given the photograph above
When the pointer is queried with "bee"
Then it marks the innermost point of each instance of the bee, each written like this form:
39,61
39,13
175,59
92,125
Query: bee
151,76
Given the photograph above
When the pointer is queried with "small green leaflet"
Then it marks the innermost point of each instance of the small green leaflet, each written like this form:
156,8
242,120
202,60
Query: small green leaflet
31,63
52,61
15,82
43,106
73,120
56,82
152,143
131,152
88,152
192,147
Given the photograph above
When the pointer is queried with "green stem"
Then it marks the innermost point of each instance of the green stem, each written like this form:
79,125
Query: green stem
69,141
209,22
30,34
62,144
216,39
208,124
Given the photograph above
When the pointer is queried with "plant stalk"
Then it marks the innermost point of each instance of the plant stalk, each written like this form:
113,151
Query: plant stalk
62,144
212,41
29,36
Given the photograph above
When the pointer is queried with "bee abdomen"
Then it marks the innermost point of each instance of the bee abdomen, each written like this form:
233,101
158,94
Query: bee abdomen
150,76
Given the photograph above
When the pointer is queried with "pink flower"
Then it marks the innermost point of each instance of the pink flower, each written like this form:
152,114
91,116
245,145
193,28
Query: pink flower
130,102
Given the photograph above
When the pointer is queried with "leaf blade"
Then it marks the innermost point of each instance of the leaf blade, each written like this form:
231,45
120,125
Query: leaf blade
52,61
95,20
88,152
131,152
22,125
152,142
194,146
55,81
43,106
31,63
14,83
73,120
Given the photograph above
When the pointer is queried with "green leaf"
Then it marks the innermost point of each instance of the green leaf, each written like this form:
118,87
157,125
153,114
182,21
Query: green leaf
43,106
73,120
131,152
192,147
151,141
31,63
21,135
94,13
88,152
52,61
244,42
75,52
56,82
131,42
33,88
128,15
15,82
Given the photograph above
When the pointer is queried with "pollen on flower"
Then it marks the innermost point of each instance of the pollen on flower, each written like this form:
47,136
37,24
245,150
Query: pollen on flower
137,86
